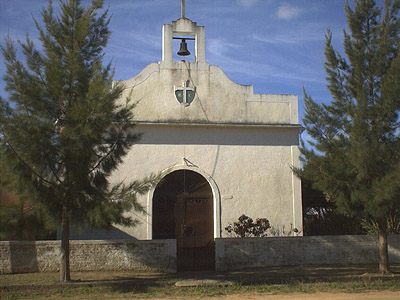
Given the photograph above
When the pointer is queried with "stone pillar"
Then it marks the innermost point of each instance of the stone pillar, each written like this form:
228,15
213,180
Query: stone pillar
200,44
296,192
167,42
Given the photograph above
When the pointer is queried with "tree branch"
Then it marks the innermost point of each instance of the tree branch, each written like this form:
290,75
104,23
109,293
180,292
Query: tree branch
104,157
29,167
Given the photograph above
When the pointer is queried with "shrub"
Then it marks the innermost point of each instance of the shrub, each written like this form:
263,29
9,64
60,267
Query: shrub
246,227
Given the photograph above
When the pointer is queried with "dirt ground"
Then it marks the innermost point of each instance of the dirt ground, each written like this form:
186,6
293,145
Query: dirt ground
382,295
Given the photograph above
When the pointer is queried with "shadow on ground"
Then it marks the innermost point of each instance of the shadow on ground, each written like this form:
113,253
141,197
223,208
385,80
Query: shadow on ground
309,274
141,281
292,274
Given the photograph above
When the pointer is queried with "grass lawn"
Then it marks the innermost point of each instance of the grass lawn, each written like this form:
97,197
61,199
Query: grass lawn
172,292
145,285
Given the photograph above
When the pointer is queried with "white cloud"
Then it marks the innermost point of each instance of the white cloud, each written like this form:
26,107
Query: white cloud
247,3
219,47
287,11
279,68
301,33
216,47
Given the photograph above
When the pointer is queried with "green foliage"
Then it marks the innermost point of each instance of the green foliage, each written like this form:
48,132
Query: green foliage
63,129
21,220
392,224
354,154
246,227
320,216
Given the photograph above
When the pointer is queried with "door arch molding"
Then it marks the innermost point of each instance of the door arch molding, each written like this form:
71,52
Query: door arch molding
215,194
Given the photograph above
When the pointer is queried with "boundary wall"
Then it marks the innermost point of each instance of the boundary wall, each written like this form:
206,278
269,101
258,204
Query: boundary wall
160,255
111,255
235,253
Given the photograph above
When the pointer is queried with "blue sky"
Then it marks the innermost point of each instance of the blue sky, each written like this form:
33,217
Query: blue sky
275,45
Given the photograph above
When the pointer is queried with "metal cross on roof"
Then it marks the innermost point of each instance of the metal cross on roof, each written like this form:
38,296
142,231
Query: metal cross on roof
183,9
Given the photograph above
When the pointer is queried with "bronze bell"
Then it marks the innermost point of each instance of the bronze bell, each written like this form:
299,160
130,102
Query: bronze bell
184,50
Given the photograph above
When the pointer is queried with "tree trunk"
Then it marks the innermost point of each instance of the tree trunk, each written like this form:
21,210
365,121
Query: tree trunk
384,267
64,259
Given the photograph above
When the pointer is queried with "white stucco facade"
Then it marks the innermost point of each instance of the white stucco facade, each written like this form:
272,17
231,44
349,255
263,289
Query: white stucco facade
244,144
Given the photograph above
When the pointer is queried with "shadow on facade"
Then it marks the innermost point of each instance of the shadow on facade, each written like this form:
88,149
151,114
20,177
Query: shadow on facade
23,257
89,234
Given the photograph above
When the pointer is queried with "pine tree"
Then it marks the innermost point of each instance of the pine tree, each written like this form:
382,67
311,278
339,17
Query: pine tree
354,154
320,216
23,220
63,129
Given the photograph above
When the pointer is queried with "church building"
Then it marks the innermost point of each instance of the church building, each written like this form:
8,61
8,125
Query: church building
222,150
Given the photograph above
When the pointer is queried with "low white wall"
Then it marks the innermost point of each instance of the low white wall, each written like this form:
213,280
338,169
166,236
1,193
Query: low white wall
239,253
160,255
44,256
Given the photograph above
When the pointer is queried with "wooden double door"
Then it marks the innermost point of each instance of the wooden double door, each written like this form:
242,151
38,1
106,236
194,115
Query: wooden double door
183,210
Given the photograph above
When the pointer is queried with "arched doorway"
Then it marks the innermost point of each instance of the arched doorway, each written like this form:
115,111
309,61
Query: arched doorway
183,210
